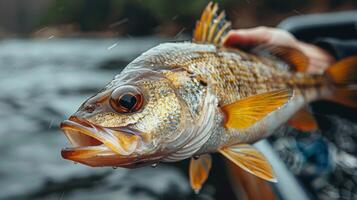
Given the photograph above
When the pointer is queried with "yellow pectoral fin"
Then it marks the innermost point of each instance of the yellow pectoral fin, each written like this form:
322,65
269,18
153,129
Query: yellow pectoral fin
199,170
250,159
246,112
303,120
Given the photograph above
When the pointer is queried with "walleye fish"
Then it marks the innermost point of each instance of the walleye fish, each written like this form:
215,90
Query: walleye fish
189,99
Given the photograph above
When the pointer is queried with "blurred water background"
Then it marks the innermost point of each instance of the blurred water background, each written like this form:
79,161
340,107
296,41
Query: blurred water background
56,53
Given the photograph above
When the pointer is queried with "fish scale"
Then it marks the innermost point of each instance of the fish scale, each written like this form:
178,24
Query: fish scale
232,74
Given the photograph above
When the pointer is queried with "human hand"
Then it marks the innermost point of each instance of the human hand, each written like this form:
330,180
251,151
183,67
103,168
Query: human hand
319,59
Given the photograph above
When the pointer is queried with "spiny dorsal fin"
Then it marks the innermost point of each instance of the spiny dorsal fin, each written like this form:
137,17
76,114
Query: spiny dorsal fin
199,170
290,55
250,159
246,112
303,120
211,28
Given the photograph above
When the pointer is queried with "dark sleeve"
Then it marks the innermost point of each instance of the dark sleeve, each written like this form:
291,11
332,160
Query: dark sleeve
338,48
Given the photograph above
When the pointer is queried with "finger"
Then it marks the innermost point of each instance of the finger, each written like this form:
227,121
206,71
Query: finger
248,37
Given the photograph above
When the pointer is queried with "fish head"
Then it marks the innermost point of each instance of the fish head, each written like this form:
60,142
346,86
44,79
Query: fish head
137,119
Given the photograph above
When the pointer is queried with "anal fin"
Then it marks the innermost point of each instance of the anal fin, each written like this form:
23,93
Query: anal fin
250,159
303,120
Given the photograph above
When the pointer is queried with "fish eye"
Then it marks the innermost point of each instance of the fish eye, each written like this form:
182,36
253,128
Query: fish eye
126,99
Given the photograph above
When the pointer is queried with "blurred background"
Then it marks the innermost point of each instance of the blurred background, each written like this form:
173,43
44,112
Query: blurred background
56,53
120,18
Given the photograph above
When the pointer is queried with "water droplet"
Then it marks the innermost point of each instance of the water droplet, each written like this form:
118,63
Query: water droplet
112,46
196,157
154,165
114,167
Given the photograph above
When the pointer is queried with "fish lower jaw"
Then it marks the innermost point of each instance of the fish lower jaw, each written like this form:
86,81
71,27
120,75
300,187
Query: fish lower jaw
85,152
102,156
96,156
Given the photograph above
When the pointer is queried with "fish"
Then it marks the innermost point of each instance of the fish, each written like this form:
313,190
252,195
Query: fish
188,100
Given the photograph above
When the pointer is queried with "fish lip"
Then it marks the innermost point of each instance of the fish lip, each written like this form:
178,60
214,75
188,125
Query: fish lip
78,153
97,156
99,136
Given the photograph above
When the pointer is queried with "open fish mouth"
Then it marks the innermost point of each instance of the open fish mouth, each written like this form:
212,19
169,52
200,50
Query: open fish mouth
95,145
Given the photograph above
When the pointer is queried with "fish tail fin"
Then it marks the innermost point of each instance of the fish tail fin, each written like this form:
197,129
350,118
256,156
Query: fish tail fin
345,96
343,74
